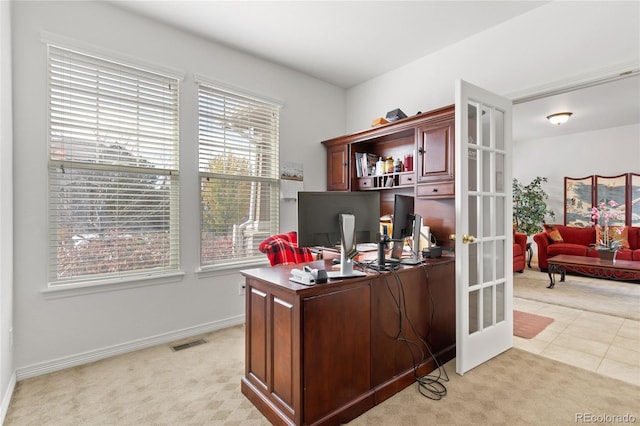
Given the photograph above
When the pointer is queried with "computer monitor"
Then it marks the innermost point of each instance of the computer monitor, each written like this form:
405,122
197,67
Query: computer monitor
403,206
325,217
405,224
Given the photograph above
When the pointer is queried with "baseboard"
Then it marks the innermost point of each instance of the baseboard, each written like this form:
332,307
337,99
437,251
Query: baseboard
98,354
6,399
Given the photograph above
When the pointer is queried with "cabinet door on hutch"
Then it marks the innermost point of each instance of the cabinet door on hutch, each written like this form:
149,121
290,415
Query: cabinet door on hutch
435,152
338,167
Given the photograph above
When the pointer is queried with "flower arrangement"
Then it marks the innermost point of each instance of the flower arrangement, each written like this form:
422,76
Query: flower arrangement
601,217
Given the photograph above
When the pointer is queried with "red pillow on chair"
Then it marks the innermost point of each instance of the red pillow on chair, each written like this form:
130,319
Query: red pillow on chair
282,249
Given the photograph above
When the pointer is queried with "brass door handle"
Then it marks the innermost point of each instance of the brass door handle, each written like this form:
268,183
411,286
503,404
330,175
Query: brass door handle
466,239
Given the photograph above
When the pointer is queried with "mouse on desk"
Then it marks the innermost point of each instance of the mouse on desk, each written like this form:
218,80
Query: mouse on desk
335,262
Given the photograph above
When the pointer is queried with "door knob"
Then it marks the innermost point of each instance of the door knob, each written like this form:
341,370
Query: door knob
466,239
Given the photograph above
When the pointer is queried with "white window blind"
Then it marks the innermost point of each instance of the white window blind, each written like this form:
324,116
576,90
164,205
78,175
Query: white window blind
113,169
239,179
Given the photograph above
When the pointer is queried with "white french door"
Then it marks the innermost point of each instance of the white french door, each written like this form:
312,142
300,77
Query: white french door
484,240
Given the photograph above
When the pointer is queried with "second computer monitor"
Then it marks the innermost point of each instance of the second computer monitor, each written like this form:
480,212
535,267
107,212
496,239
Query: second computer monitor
403,217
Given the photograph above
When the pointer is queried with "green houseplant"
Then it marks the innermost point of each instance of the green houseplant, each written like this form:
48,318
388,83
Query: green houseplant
530,206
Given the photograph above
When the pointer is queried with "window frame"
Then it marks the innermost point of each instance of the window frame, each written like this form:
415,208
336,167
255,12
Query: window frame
273,178
84,283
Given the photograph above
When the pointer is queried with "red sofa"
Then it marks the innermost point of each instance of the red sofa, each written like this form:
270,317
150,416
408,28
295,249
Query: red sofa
581,242
519,251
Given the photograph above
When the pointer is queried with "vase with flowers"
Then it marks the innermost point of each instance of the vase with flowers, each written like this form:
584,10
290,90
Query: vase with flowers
607,236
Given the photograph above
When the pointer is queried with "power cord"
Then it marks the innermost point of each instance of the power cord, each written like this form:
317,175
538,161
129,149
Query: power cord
429,385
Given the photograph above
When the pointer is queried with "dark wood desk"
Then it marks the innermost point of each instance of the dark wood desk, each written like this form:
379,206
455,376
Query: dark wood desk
327,353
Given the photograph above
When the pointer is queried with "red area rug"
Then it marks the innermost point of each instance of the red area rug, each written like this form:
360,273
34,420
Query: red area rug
528,325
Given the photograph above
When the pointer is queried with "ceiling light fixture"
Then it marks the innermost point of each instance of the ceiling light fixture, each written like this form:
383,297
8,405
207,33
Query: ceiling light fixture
559,118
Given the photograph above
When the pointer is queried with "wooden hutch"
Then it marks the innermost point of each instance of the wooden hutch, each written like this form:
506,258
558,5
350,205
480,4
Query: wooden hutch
429,137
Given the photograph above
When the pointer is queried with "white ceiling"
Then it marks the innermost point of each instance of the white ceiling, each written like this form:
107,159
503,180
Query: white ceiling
348,42
612,104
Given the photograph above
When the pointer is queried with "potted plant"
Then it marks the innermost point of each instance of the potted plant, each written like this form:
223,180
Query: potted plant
530,206
607,243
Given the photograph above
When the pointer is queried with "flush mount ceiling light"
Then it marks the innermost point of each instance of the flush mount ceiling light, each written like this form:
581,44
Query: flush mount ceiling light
559,118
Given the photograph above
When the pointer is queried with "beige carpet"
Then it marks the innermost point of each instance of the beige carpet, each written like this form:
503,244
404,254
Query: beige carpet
201,386
528,325
609,297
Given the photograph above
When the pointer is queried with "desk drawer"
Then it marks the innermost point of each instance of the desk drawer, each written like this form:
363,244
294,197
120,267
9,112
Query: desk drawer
365,183
444,189
407,179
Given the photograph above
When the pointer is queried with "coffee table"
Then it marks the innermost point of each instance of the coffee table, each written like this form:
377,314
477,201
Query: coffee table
592,267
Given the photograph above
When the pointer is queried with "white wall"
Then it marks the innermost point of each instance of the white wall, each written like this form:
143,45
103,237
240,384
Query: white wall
607,152
7,377
52,333
551,43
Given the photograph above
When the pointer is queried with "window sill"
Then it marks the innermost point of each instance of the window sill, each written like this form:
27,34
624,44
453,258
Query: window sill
229,268
56,291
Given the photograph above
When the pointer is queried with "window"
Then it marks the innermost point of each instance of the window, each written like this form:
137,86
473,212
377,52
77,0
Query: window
238,165
113,170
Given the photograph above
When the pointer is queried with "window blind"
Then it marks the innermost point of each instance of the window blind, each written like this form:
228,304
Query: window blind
113,169
239,174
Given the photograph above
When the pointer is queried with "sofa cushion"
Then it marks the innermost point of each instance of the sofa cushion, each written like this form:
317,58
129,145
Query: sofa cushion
620,233
577,235
624,254
567,248
553,233
635,255
633,234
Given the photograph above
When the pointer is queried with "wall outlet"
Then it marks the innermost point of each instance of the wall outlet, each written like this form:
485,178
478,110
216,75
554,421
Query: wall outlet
241,288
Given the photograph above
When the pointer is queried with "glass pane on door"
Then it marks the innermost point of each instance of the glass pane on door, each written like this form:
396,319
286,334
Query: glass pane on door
474,311
487,218
488,257
474,278
486,166
501,254
487,303
500,302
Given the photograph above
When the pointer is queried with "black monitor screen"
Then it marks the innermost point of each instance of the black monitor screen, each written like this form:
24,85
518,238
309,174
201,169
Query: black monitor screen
318,216
402,217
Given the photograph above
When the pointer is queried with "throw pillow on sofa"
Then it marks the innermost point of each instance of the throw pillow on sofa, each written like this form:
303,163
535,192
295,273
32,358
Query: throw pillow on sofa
553,233
619,233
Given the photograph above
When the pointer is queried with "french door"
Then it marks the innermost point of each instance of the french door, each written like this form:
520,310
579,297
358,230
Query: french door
484,240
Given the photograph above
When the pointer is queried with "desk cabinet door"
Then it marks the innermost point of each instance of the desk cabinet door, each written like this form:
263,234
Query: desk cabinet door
338,168
435,152
337,350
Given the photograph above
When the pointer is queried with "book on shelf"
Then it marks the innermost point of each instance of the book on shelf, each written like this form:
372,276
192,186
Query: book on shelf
365,164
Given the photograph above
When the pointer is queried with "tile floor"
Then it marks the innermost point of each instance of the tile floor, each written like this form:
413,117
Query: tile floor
602,343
